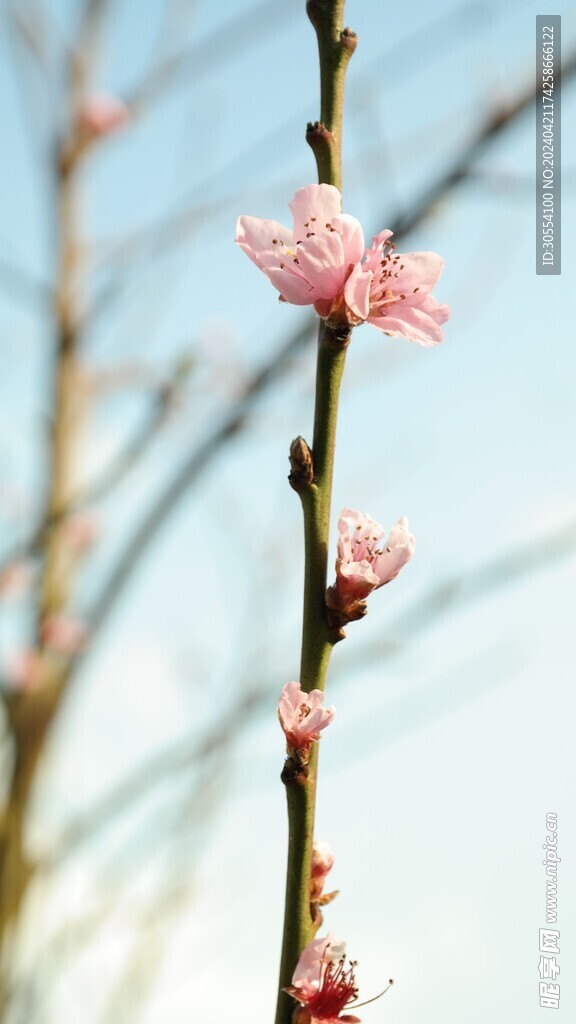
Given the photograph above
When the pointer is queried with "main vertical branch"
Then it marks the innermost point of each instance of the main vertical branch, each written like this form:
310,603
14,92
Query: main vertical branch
31,712
335,46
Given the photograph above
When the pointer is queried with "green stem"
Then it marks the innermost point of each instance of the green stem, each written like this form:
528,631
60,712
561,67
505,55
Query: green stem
335,46
318,640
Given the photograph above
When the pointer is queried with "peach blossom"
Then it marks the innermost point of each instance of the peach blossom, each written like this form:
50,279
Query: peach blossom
302,716
365,561
322,263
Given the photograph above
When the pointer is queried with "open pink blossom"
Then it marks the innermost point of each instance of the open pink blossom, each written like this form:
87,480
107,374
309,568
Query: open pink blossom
392,291
322,263
101,114
302,716
365,561
321,982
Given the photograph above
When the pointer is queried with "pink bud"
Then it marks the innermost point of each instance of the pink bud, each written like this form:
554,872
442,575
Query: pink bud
322,862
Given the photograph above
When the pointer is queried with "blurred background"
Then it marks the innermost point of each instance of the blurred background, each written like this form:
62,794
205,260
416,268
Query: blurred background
151,550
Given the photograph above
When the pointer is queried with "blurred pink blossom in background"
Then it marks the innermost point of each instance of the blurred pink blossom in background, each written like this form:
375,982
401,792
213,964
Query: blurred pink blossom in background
64,634
100,114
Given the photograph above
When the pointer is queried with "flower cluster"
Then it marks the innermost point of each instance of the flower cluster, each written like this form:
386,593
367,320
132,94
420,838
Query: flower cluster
322,983
365,562
323,263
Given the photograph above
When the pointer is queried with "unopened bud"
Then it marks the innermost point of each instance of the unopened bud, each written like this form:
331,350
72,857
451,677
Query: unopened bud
348,40
301,465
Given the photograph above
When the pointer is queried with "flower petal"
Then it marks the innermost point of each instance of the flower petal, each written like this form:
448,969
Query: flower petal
357,291
350,231
293,288
255,236
374,253
421,270
321,261
416,318
313,207
398,551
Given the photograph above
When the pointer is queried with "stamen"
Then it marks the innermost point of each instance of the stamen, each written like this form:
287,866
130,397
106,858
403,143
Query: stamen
354,1006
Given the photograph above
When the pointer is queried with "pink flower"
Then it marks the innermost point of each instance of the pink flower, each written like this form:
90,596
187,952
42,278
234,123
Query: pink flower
392,291
322,984
101,114
322,263
302,716
322,863
365,562
63,634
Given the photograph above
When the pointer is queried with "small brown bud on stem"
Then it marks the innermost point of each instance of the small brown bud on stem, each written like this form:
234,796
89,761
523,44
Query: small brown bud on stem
301,465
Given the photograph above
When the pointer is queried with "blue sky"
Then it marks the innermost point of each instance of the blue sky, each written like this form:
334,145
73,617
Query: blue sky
445,756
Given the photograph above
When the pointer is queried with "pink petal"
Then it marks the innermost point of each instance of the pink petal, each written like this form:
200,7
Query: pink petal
352,524
357,291
292,287
416,318
306,977
374,253
255,236
314,699
354,581
317,720
313,207
352,236
399,550
321,261
421,270
322,858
